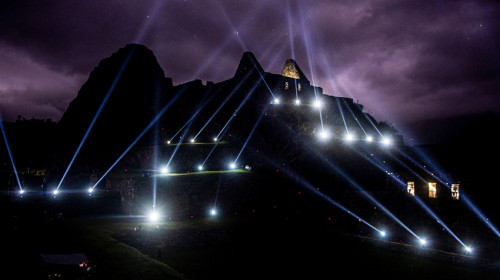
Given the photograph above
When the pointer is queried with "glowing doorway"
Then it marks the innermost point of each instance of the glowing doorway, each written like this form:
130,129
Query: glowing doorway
455,191
411,188
432,190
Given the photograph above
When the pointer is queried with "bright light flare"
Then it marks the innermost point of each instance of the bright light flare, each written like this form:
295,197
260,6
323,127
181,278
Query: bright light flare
276,101
386,141
324,134
213,212
317,103
232,165
297,102
468,249
164,170
349,137
192,140
369,138
90,190
153,216
55,192
215,139
383,233
200,167
422,241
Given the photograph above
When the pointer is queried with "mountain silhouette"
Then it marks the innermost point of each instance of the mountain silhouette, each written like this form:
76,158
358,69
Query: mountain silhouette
128,121
129,116
117,101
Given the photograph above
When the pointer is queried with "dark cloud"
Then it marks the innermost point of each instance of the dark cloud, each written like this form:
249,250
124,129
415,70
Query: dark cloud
32,89
407,62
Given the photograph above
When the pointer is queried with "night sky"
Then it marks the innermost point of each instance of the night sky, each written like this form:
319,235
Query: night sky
409,63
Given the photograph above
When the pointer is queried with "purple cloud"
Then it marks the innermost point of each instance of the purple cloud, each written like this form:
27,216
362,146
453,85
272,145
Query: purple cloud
406,62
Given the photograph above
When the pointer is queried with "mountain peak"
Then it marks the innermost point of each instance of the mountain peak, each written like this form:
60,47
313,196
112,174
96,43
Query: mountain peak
248,63
122,94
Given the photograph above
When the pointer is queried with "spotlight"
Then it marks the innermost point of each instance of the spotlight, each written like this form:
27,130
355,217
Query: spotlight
382,233
324,134
317,103
213,212
422,241
297,102
153,216
192,140
200,167
21,192
215,139
232,165
349,137
386,141
369,138
55,192
276,101
164,170
468,249
90,190
168,142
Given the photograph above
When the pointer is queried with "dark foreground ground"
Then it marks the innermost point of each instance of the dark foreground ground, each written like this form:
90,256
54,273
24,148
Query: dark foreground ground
302,251
126,247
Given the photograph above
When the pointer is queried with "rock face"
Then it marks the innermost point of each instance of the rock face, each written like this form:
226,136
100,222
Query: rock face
121,96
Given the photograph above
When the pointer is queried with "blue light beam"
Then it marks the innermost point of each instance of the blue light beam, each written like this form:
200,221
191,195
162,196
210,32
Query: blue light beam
482,217
342,115
354,184
243,102
381,166
157,117
190,120
235,89
251,132
142,32
98,112
315,191
10,154
354,117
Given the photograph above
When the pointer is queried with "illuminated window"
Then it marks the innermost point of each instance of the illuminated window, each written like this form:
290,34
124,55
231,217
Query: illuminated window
299,87
454,191
286,85
432,190
411,188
